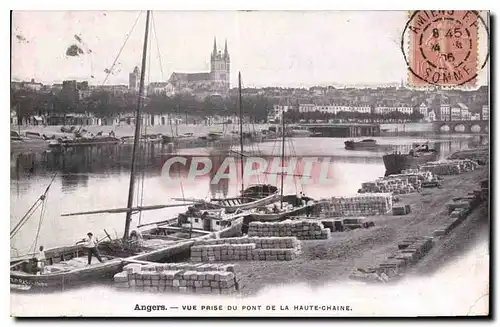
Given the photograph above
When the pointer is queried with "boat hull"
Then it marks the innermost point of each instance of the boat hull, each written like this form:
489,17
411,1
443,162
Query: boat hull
85,143
226,203
62,280
396,163
351,145
281,215
96,273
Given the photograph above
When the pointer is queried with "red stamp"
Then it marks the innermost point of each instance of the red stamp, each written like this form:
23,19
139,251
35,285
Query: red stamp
442,47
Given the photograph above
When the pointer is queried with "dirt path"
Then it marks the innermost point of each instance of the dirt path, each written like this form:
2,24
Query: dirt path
334,259
450,247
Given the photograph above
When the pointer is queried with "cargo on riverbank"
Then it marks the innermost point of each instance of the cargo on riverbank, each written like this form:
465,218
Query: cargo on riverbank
334,259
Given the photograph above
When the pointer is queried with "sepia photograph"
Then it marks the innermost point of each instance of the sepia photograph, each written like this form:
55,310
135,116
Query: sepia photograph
250,163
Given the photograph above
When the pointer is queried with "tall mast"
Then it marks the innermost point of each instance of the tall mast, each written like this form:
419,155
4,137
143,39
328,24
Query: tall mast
137,132
282,153
241,133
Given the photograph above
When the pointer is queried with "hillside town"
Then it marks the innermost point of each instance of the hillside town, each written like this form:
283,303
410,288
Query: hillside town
78,102
207,98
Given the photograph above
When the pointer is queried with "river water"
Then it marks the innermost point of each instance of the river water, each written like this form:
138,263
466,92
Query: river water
98,178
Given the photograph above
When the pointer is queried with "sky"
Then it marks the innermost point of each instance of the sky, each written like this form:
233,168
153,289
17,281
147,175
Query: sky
270,48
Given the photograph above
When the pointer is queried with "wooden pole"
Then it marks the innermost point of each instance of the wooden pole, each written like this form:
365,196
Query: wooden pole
130,201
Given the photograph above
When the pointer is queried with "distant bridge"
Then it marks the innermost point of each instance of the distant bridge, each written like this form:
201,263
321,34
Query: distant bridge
342,130
461,126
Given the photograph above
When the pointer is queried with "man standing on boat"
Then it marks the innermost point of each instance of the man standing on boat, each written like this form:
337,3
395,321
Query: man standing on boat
40,257
299,200
91,245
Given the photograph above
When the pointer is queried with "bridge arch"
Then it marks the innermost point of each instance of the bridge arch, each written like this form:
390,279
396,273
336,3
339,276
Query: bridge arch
444,128
459,128
475,128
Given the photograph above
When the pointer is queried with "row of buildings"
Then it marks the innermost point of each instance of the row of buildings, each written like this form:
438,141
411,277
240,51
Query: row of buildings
89,119
442,112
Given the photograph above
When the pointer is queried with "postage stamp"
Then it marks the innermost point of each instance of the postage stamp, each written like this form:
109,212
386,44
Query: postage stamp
443,47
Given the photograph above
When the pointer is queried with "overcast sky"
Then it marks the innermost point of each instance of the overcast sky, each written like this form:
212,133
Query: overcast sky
280,48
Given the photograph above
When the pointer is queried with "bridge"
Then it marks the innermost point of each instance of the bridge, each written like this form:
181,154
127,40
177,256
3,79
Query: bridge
342,130
461,126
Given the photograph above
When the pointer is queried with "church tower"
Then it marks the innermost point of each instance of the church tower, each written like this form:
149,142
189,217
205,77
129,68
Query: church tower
220,68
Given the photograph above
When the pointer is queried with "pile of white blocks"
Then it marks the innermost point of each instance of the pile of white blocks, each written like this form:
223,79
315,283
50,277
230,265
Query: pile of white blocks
179,278
367,204
393,185
450,167
301,229
246,248
408,182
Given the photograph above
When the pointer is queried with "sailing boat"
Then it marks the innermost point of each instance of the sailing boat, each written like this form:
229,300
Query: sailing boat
293,207
67,265
251,197
222,216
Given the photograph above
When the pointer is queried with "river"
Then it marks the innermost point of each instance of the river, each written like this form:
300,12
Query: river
98,178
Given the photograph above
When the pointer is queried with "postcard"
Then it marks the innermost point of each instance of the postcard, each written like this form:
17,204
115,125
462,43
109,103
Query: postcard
250,163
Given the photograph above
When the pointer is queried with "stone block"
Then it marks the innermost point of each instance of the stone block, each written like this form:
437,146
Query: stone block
122,284
151,289
121,277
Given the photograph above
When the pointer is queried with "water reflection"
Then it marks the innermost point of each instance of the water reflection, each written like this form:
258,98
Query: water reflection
74,165
97,178
72,182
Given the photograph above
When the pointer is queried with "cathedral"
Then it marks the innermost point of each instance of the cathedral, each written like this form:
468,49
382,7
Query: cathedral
216,81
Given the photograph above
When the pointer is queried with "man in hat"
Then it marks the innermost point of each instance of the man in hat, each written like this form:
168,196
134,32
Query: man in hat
91,245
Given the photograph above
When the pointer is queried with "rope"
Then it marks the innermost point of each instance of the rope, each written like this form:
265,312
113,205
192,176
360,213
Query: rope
23,220
32,210
157,45
145,144
38,230
123,46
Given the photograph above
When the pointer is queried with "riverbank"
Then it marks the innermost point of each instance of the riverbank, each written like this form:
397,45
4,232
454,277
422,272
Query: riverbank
128,130
335,259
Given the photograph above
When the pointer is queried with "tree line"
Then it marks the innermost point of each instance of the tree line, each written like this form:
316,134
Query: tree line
105,104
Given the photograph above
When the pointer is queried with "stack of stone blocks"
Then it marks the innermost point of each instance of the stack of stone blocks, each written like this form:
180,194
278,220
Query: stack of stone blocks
301,229
246,248
179,278
458,209
410,251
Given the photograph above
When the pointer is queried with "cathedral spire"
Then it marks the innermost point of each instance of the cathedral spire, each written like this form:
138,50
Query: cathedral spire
226,53
214,52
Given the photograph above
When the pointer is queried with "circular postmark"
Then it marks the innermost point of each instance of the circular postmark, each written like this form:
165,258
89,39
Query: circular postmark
442,47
